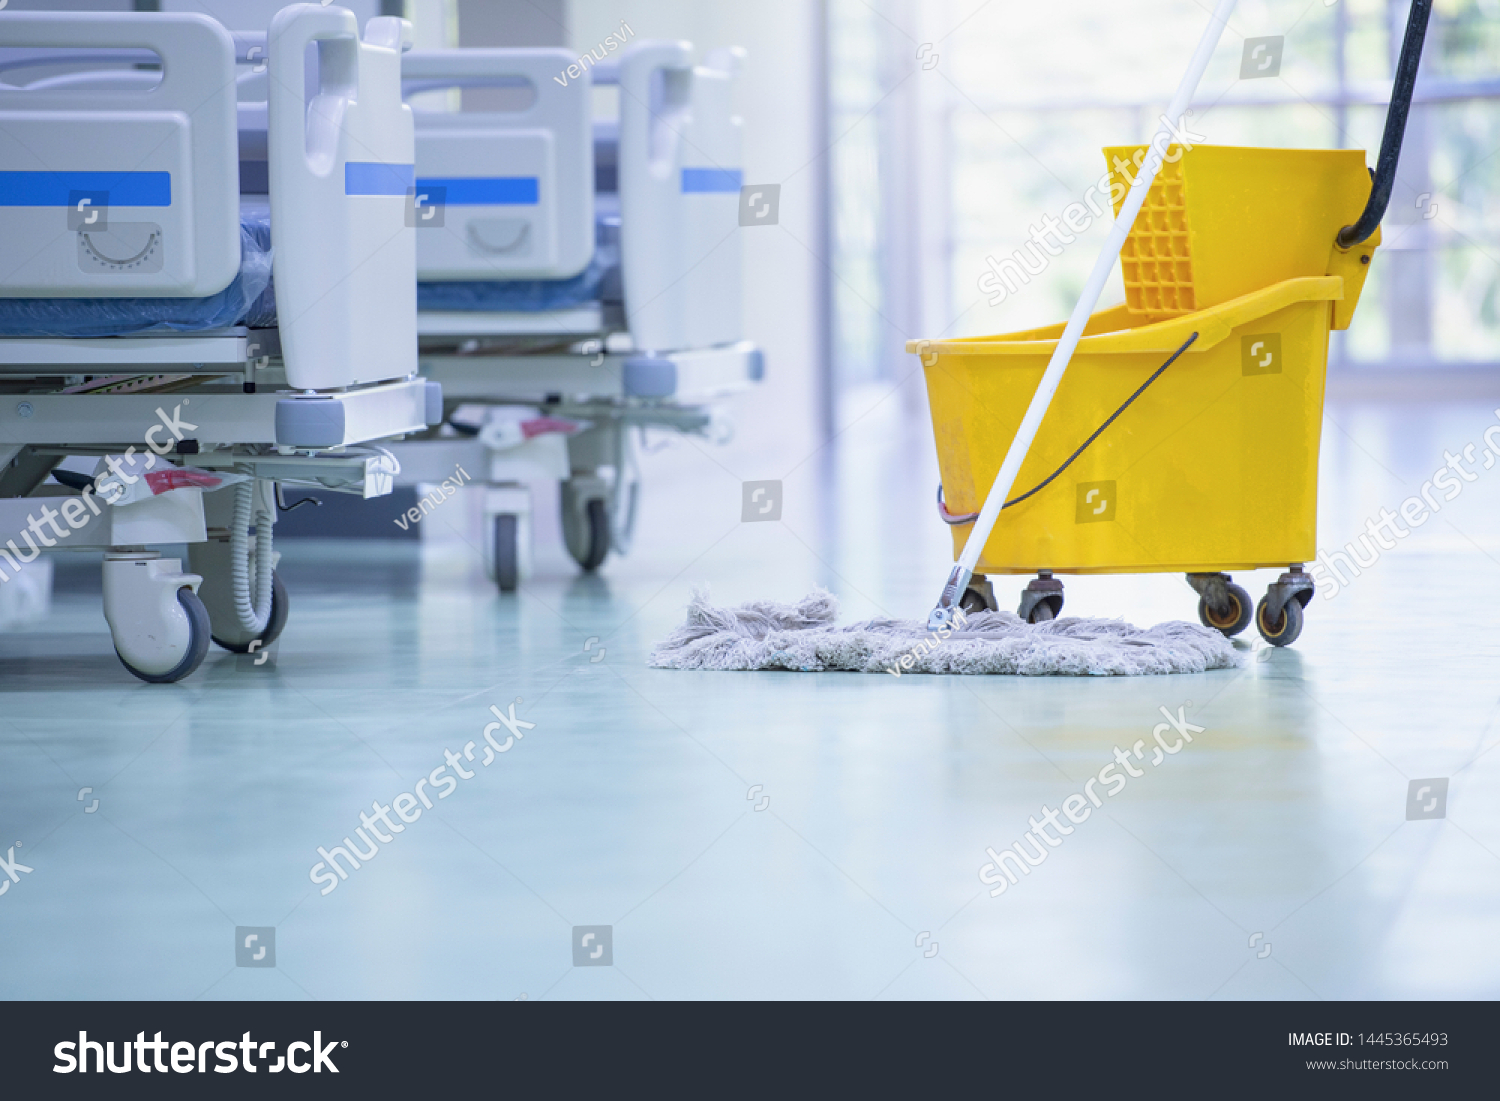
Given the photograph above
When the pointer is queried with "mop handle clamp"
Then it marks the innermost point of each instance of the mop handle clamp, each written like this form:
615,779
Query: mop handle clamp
947,608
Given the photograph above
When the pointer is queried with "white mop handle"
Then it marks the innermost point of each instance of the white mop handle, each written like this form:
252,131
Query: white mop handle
1021,443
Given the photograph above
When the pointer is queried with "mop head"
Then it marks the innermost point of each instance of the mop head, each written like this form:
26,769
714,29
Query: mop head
802,637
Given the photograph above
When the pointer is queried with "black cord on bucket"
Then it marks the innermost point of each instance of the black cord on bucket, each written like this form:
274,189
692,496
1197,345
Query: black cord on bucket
1142,389
1082,447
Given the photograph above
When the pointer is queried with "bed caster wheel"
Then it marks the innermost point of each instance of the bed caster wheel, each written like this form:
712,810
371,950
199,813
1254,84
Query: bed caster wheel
507,547
1042,599
585,522
1287,626
275,622
505,564
159,626
191,642
1232,615
978,597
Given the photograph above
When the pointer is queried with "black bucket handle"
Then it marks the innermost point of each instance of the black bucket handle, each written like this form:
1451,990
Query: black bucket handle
1395,127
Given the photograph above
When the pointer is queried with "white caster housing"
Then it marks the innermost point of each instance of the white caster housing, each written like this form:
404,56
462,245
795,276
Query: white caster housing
160,627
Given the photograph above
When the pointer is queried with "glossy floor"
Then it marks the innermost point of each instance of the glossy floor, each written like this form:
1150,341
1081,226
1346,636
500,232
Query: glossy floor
773,834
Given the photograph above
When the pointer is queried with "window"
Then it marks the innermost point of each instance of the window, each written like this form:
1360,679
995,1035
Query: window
1026,95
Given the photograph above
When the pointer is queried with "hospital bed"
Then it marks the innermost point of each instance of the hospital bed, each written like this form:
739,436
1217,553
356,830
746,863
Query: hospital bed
579,278
207,292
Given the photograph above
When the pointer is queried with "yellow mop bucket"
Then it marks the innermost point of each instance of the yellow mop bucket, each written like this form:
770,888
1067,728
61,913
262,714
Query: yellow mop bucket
1215,466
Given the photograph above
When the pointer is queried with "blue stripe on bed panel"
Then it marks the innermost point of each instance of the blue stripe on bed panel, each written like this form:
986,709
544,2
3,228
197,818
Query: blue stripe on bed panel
56,188
375,178
484,190
710,180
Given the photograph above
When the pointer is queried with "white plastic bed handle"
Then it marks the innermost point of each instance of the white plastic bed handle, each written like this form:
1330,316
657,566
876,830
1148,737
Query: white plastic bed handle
301,138
647,122
680,174
340,173
390,31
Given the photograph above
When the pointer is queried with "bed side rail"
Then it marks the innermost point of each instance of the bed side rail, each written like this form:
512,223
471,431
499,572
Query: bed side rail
680,180
118,183
341,174
506,194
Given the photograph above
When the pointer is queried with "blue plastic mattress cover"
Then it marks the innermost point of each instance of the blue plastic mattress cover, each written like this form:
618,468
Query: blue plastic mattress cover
599,281
248,300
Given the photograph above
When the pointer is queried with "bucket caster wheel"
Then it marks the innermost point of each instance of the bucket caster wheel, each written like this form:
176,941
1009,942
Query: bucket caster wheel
1285,629
1233,614
585,522
192,643
506,564
1279,614
1222,606
1041,600
275,622
978,597
1044,611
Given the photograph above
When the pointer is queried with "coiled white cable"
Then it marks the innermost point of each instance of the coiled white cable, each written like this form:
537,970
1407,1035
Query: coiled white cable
253,615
